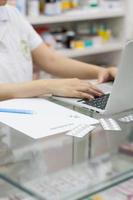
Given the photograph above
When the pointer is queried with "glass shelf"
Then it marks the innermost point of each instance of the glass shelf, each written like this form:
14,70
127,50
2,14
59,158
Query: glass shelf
9,192
62,167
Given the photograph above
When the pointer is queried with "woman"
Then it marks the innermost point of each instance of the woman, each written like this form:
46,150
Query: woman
20,46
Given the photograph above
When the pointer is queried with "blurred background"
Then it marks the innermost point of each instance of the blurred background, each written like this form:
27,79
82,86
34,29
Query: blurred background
89,30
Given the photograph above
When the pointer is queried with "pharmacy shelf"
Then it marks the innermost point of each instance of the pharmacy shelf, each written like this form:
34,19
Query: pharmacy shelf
105,48
77,15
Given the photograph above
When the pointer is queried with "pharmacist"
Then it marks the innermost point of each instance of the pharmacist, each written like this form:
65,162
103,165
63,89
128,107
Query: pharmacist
20,46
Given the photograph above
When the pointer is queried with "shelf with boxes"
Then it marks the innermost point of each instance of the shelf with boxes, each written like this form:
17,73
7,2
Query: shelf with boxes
34,8
77,15
83,38
48,15
109,47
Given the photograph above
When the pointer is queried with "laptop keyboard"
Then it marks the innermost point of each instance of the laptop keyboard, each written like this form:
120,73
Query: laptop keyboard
98,102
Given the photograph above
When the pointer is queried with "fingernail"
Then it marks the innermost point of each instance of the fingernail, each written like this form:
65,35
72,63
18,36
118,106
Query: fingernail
99,94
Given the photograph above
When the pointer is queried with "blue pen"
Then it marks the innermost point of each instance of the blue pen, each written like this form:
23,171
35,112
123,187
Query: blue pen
14,110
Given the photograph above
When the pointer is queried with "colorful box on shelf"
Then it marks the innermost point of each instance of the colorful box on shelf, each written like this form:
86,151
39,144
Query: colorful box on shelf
79,44
88,43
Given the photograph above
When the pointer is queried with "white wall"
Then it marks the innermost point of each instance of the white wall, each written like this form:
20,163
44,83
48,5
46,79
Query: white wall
129,13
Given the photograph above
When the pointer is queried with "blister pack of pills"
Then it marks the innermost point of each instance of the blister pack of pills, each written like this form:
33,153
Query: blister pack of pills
109,124
81,130
126,119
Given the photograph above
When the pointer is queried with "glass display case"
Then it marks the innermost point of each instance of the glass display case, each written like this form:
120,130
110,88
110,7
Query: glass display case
62,167
9,191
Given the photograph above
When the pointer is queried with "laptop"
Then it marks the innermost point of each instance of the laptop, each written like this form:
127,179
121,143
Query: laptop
118,96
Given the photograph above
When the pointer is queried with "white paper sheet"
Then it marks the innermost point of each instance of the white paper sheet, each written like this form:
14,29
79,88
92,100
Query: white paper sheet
48,118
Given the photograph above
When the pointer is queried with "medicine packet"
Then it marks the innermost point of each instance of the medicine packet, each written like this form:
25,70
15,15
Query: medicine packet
126,119
109,124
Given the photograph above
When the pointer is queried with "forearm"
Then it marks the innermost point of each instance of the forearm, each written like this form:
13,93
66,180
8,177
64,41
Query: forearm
23,90
69,68
61,66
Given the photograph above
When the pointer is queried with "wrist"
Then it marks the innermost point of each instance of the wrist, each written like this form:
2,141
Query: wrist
52,86
101,71
47,86
113,71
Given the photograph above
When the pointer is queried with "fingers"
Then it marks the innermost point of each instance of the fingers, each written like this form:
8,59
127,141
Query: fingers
100,79
82,95
90,89
107,75
103,77
95,90
76,88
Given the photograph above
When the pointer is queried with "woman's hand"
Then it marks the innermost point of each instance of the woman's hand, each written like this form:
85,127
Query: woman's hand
107,74
73,88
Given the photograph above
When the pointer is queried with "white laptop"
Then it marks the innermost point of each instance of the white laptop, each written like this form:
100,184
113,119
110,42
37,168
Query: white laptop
117,98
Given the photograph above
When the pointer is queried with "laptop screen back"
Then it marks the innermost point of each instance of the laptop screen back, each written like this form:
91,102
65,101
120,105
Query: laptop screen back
121,98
